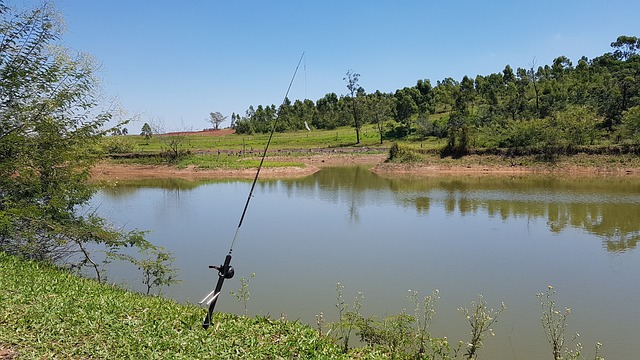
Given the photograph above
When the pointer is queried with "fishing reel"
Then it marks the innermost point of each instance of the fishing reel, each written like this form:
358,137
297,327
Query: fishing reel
226,273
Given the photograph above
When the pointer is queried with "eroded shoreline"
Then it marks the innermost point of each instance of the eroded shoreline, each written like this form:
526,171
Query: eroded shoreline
471,165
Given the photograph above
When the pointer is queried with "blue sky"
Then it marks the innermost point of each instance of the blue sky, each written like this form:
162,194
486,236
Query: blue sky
176,61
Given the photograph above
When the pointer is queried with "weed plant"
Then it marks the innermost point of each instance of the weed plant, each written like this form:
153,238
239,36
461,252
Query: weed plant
554,323
243,295
407,336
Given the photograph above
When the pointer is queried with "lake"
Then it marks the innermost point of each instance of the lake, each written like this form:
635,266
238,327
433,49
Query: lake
505,237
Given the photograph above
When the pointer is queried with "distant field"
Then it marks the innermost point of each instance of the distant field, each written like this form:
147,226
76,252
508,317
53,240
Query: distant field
225,140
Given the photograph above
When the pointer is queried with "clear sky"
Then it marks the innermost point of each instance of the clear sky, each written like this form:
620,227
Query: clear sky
176,61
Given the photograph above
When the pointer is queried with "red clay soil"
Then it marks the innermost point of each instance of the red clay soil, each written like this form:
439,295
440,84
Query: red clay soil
205,132
313,163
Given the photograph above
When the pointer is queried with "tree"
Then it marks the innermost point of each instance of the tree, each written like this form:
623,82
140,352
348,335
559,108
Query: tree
234,117
172,139
625,47
444,94
352,85
631,124
425,103
216,118
326,114
49,132
465,96
381,108
407,100
146,131
534,78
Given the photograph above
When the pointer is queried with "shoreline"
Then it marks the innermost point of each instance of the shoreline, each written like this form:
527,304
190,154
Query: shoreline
472,165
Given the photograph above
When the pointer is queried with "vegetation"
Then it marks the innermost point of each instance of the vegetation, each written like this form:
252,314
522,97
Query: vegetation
547,111
50,135
216,118
50,313
544,107
554,323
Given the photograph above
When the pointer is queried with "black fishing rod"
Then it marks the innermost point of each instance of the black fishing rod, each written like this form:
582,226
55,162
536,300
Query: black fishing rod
226,271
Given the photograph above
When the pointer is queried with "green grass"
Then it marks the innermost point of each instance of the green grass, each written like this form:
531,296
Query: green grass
223,152
48,313
233,162
341,137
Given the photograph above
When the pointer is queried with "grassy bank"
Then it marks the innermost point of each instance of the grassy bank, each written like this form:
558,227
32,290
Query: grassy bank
240,152
52,314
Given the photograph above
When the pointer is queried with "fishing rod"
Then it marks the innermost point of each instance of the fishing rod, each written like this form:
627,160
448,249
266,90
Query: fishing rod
226,271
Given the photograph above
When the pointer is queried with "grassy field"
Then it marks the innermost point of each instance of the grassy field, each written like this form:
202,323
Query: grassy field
237,151
342,137
47,313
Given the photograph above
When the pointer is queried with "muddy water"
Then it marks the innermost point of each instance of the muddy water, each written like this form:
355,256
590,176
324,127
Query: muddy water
506,238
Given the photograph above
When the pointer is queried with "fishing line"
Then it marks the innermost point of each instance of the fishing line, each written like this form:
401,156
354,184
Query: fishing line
226,271
264,155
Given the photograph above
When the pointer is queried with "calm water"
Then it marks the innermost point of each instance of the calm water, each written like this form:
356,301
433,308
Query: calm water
504,237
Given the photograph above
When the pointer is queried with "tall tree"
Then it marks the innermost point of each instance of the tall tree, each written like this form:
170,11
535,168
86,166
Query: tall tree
381,108
216,118
327,112
534,78
352,85
625,47
406,106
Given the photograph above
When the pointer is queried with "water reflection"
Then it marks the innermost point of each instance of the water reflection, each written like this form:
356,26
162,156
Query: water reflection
607,207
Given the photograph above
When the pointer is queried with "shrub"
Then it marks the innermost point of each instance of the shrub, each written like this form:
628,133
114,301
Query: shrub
118,145
402,154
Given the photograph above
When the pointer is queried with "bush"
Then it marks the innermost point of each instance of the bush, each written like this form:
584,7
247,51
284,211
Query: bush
630,127
402,154
118,145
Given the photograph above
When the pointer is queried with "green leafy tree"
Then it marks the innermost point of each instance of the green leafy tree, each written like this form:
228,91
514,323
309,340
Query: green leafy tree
156,266
407,100
444,95
625,47
465,96
631,124
216,118
425,103
286,117
146,131
577,124
326,116
381,108
49,136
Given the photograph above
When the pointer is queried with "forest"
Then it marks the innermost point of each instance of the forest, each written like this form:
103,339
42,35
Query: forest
593,102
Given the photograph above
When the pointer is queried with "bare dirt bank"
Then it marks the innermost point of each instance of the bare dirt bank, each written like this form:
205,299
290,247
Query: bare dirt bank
111,171
469,165
578,166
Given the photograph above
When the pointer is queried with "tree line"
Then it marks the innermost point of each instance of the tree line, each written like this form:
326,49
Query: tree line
595,101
